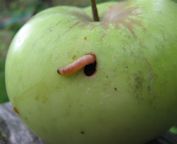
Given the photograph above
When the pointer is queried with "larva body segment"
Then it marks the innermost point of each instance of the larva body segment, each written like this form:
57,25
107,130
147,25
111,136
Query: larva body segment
77,65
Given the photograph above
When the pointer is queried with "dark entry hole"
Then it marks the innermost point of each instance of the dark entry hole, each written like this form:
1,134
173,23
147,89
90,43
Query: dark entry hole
82,132
90,69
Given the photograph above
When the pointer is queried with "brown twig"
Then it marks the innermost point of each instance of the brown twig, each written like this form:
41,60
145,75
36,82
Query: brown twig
95,11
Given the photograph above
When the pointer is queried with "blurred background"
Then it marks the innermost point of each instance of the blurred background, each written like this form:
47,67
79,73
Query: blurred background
13,14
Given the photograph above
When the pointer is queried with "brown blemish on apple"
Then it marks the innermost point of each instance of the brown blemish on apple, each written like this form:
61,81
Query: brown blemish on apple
139,80
82,132
138,85
122,14
74,57
16,110
43,98
85,38
143,85
151,77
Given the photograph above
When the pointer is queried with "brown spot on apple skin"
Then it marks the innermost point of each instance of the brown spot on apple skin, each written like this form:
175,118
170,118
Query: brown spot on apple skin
122,14
139,80
82,132
74,57
43,98
143,87
138,86
85,38
16,110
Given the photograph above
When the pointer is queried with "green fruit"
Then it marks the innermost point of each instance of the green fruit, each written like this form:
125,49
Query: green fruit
132,96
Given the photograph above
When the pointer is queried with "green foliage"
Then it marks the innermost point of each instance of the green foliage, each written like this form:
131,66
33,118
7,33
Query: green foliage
5,38
174,130
3,94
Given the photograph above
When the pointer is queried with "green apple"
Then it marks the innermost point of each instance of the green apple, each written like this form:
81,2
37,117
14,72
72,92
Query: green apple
131,98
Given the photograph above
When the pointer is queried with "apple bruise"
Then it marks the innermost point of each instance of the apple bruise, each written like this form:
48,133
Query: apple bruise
122,14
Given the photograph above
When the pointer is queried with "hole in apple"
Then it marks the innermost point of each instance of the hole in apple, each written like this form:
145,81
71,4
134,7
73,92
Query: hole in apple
82,132
115,89
90,69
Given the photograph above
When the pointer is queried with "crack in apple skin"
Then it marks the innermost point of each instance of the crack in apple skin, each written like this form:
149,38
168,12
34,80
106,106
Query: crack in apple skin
122,14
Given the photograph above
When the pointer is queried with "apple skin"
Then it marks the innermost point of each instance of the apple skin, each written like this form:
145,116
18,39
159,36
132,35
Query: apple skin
132,97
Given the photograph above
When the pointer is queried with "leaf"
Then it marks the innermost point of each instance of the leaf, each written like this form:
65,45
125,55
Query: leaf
3,94
5,38
174,130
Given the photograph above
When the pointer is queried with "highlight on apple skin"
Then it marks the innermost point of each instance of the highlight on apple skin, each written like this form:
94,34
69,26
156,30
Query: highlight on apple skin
131,96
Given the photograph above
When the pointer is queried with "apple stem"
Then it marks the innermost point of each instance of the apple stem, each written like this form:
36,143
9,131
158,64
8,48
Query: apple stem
95,11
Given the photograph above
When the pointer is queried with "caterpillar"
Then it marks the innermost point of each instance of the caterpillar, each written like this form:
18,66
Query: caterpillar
77,65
